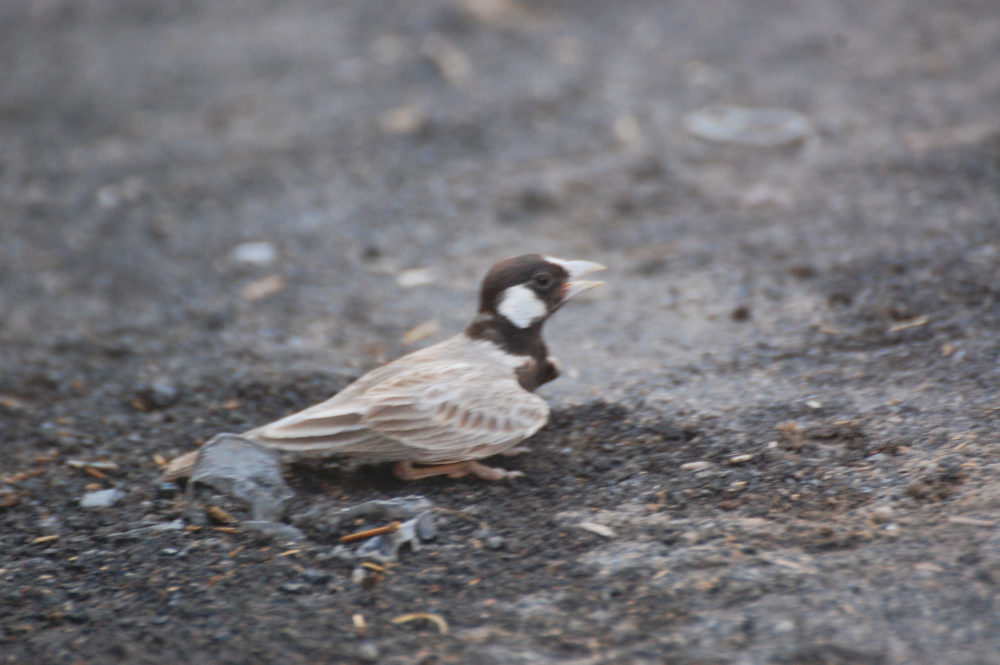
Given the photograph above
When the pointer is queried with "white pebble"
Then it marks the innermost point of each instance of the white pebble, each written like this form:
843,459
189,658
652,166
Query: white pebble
598,529
101,498
755,128
255,253
415,277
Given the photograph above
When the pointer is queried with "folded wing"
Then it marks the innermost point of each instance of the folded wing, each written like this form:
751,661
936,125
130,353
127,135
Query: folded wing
443,412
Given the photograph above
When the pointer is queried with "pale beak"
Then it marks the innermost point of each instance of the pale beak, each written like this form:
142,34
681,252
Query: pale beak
576,269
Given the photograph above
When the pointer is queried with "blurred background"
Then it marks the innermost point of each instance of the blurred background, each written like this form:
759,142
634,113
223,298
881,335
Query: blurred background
144,143
797,201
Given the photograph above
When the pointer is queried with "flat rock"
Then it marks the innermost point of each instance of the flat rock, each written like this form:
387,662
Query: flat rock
240,469
748,127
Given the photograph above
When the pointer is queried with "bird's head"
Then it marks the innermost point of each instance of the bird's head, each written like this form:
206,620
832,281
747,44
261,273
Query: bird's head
526,290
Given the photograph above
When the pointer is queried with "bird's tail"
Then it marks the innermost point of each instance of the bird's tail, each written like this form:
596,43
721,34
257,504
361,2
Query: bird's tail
180,466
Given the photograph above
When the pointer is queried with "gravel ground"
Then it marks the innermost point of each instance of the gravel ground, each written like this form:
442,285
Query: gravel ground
776,437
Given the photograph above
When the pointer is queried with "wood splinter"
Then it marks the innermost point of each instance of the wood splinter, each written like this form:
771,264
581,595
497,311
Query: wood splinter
369,533
435,619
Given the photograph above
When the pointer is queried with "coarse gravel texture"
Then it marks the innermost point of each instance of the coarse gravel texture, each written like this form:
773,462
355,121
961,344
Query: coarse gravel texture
776,438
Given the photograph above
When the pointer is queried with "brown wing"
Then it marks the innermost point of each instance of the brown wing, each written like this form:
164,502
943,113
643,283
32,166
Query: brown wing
428,412
456,413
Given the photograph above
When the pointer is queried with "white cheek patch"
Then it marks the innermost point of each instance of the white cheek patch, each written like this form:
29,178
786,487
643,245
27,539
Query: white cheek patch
521,306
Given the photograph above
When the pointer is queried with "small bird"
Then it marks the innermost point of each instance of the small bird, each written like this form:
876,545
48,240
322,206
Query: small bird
448,405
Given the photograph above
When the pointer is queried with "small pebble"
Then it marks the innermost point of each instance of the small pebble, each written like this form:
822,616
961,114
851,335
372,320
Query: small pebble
254,253
413,277
741,313
627,130
368,652
155,396
403,120
101,498
380,548
882,514
263,288
598,529
316,575
425,527
167,490
784,626
747,127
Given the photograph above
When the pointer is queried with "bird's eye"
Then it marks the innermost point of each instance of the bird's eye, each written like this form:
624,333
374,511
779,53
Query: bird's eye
543,279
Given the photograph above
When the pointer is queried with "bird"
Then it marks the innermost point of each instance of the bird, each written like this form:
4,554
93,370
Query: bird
438,410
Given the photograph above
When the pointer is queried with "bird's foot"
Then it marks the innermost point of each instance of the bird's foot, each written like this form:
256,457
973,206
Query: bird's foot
490,472
516,450
406,471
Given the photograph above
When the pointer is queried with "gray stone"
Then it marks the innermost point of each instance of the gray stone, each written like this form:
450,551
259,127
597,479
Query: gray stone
748,127
411,532
400,508
368,652
242,470
275,531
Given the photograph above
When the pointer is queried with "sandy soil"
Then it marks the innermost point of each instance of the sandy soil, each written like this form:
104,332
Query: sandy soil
776,439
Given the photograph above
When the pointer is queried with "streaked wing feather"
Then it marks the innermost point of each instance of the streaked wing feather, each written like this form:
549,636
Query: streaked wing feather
457,415
432,412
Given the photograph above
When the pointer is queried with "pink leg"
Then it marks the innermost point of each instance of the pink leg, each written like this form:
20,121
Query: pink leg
406,471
